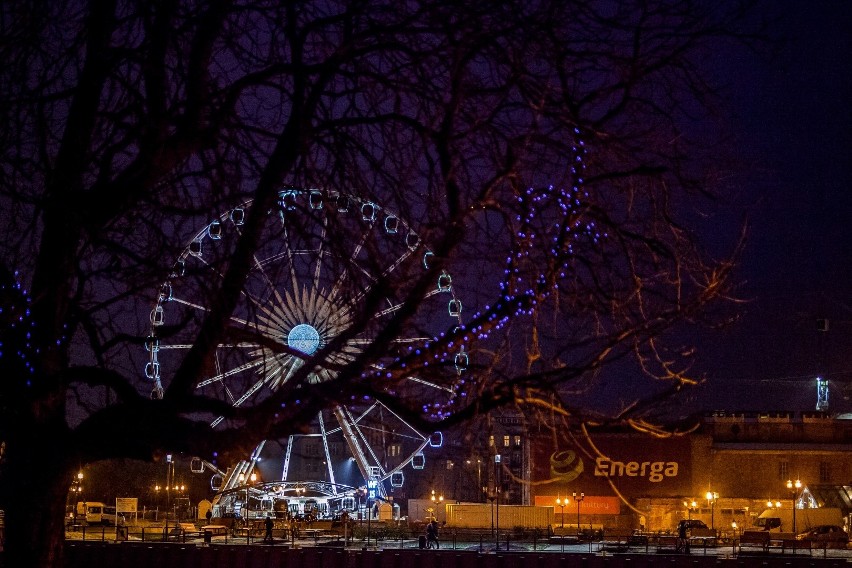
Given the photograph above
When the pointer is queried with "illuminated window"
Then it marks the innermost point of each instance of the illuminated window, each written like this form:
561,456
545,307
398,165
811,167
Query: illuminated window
491,441
450,464
394,450
517,440
506,439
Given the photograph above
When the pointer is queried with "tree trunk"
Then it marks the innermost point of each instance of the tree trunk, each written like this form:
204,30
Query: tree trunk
35,485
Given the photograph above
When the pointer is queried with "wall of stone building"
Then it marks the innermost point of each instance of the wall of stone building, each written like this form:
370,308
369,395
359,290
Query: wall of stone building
763,472
753,455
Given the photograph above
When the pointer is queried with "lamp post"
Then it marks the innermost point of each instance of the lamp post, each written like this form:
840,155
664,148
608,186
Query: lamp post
75,493
170,474
690,505
497,497
794,487
561,504
492,497
252,478
369,517
711,497
436,500
478,479
578,499
243,480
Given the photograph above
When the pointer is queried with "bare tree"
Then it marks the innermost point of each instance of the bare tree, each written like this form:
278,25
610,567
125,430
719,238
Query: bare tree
535,157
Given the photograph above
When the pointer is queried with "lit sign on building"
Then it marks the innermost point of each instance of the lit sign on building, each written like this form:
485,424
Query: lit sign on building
613,463
654,471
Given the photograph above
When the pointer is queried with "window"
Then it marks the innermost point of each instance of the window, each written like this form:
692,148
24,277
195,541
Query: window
491,441
394,450
311,449
506,439
783,470
824,472
517,440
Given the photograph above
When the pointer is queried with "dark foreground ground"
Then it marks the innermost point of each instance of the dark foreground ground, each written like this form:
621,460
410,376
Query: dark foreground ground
173,555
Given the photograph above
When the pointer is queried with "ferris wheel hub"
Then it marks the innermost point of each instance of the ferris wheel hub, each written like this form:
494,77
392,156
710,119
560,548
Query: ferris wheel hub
304,338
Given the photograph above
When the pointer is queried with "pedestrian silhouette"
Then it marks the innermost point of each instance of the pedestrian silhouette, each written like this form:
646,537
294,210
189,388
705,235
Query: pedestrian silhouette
432,535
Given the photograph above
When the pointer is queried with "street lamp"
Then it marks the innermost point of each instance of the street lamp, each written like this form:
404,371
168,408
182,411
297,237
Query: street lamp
711,497
439,498
170,477
578,498
242,478
794,487
690,505
75,492
497,459
492,496
252,478
561,504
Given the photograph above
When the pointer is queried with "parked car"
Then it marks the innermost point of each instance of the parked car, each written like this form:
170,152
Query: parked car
696,529
832,535
692,524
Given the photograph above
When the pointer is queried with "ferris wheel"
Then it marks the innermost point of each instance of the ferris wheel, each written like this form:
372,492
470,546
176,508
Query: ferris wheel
322,255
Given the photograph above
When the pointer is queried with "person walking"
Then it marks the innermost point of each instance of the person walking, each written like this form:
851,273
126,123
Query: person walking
683,537
432,535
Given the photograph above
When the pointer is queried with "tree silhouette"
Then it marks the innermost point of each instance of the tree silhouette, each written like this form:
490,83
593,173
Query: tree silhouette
540,151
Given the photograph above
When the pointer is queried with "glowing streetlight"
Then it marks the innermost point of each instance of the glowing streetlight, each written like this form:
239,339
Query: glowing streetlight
578,498
711,497
561,504
794,487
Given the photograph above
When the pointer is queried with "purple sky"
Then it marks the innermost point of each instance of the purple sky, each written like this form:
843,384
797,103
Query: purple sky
794,123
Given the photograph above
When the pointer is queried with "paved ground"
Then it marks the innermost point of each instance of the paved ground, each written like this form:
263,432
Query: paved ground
448,543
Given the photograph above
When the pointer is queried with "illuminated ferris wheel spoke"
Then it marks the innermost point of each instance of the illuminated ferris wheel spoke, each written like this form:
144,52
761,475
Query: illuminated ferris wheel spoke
434,292
320,254
253,389
289,252
269,282
344,274
429,384
177,300
240,345
399,261
234,371
389,310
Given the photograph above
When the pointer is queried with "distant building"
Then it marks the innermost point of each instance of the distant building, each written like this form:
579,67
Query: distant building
741,459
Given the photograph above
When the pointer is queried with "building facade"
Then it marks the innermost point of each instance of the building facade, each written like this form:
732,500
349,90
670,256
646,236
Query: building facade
724,472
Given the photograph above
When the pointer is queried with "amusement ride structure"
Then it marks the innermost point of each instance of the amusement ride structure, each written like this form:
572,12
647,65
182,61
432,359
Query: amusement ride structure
321,254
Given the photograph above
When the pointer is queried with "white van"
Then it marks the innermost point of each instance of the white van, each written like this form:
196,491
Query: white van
96,512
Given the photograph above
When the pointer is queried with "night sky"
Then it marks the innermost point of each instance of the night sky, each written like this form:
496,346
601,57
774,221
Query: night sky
793,113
